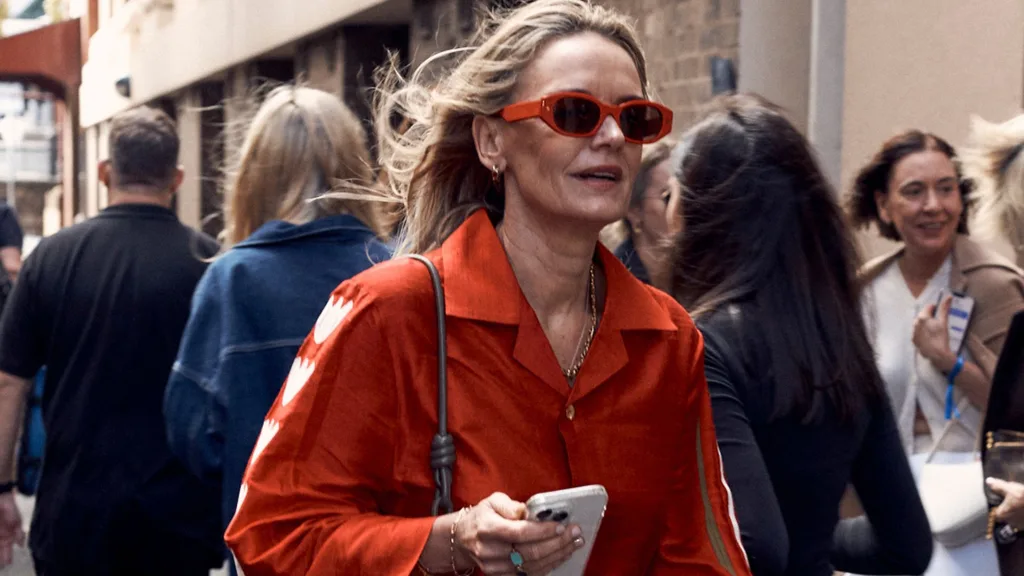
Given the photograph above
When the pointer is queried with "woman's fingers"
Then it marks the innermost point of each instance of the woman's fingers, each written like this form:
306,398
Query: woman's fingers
542,557
1011,510
506,507
519,532
998,486
496,525
498,557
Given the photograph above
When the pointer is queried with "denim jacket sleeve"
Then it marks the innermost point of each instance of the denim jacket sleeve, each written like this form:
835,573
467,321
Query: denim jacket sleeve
193,403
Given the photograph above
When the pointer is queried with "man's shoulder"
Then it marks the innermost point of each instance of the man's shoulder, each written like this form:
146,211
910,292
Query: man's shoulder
64,238
206,246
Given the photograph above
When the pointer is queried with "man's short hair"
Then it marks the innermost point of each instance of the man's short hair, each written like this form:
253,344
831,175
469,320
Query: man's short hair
143,148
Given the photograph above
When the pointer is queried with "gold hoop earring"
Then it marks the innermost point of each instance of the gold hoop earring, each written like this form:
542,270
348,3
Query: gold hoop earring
495,175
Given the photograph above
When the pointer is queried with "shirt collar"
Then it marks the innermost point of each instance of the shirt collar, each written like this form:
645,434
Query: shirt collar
480,284
277,231
138,210
967,256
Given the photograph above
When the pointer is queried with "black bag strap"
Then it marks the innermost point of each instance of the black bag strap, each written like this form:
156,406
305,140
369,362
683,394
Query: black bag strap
442,447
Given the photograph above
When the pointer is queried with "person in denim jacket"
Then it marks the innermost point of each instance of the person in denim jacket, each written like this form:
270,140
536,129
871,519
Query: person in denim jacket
291,243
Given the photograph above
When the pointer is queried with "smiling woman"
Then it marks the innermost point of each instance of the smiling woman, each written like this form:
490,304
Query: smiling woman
913,191
563,369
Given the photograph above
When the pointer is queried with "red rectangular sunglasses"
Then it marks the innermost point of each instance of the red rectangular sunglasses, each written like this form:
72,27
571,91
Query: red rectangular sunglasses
581,115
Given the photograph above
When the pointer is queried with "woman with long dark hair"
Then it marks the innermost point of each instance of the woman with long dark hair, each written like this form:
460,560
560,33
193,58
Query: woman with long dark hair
767,266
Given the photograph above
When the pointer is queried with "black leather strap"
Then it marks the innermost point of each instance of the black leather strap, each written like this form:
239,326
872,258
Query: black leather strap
442,447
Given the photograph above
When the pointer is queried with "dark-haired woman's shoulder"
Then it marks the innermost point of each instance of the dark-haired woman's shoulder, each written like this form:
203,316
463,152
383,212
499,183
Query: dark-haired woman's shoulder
737,356
733,331
739,408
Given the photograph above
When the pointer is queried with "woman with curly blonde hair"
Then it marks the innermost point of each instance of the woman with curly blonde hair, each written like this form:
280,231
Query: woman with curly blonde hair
563,369
995,162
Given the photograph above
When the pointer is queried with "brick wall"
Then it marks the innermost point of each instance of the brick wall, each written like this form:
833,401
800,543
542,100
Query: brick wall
679,38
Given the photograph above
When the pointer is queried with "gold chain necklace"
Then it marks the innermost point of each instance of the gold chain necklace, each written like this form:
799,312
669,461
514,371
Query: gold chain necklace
573,370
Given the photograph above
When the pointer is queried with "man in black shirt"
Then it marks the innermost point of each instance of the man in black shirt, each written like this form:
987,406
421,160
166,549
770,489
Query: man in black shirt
103,305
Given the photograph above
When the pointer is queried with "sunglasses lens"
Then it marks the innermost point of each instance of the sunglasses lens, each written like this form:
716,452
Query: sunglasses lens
641,122
576,115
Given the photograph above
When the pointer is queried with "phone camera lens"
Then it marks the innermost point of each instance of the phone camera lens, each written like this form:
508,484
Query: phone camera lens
560,516
544,515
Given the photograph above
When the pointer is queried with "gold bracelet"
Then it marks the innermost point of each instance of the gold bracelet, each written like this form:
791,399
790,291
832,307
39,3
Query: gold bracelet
455,569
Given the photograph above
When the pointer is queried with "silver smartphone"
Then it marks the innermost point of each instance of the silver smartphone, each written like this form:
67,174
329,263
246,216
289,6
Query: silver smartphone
583,506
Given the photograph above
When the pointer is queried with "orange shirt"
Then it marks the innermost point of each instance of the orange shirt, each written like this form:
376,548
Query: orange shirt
339,481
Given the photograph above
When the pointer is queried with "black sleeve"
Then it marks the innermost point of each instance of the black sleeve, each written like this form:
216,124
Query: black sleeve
22,344
10,230
894,536
762,527
208,247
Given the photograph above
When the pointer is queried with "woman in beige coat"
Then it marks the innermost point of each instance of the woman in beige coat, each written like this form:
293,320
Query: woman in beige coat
914,192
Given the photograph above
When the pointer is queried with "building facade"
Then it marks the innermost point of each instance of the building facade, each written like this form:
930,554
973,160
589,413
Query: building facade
849,73
29,151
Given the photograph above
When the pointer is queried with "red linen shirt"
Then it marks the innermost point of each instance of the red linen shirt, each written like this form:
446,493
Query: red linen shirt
339,481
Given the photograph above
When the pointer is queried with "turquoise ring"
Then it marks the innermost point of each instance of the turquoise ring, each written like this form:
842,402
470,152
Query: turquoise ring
517,561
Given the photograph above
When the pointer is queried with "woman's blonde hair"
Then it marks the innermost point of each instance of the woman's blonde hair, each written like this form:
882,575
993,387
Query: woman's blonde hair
432,167
994,159
304,156
616,233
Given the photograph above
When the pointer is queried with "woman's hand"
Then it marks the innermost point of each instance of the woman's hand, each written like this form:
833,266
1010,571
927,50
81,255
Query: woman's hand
487,533
931,335
1011,511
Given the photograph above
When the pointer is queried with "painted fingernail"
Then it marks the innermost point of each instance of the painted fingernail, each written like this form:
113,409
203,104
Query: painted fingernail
560,530
576,532
578,542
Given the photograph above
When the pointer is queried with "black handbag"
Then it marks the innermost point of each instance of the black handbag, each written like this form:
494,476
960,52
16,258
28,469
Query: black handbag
442,447
1002,452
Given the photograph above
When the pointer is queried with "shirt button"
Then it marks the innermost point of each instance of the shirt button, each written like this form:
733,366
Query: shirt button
570,412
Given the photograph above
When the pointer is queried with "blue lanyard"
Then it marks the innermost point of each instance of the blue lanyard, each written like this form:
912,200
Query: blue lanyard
951,408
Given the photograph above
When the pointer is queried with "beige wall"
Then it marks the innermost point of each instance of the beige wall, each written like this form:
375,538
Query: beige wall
825,84
927,64
190,159
91,168
212,35
173,47
775,53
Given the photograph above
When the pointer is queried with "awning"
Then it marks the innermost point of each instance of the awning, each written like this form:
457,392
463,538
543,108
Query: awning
50,56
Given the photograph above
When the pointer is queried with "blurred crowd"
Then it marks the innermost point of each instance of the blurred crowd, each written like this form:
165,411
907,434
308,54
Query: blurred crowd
684,320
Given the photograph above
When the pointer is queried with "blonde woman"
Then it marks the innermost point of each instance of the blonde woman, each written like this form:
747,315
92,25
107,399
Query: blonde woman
288,248
564,369
647,227
995,161
996,165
